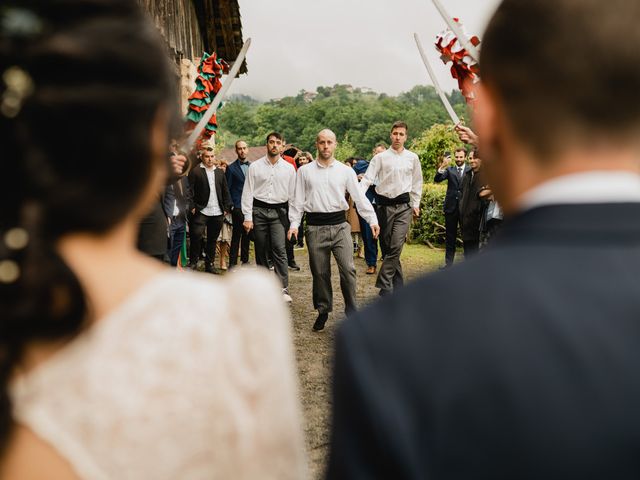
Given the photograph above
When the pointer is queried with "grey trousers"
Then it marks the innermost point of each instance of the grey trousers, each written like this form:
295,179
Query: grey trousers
322,241
269,233
394,226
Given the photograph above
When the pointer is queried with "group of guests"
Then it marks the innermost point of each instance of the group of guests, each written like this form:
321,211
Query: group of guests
469,205
276,203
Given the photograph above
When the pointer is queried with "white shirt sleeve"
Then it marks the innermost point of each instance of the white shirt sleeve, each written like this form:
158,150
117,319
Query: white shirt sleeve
371,174
296,205
416,188
363,205
247,196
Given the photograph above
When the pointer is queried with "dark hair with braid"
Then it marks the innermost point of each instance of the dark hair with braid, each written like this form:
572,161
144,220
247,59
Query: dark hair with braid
76,152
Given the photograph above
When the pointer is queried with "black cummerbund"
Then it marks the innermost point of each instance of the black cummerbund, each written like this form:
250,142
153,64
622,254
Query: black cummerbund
261,204
400,199
332,218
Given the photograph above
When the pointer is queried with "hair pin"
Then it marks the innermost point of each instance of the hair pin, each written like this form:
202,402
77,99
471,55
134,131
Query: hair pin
19,87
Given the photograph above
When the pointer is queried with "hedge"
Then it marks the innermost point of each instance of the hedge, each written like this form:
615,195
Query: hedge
429,227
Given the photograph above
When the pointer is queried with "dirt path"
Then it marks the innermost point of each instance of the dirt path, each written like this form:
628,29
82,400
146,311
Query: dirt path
314,349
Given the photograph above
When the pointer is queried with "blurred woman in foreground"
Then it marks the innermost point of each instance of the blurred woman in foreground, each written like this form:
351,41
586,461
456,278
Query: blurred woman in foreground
112,365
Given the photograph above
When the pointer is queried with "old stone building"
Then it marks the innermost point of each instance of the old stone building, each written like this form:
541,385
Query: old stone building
191,27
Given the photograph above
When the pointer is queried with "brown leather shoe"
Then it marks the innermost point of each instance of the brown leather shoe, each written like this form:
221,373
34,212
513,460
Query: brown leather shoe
371,270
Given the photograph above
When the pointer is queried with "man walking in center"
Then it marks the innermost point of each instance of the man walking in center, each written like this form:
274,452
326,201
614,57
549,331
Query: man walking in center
454,176
398,193
268,189
236,175
320,193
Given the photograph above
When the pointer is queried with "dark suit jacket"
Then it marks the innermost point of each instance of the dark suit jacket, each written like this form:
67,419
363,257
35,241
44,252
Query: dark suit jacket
535,374
235,180
471,206
182,198
199,190
454,187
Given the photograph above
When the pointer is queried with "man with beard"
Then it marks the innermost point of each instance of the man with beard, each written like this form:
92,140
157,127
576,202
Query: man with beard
268,189
320,193
236,175
454,176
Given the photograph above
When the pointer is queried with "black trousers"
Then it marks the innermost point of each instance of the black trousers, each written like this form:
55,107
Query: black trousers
270,238
452,220
197,227
239,239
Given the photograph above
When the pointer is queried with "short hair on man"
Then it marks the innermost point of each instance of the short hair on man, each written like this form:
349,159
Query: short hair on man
399,124
275,135
237,142
460,149
381,144
581,95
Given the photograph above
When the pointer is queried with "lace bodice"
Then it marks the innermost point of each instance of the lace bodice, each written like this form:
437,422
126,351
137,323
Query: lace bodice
190,378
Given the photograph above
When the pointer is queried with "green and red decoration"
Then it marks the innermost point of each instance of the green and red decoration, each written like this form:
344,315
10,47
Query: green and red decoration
208,84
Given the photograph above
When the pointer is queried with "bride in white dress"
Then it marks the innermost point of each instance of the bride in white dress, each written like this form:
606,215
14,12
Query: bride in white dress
113,366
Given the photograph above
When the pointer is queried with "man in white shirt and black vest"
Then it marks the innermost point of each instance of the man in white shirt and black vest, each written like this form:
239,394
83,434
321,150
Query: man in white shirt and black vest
398,193
320,193
268,188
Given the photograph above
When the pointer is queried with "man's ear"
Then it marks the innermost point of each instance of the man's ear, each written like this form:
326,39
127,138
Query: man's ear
485,116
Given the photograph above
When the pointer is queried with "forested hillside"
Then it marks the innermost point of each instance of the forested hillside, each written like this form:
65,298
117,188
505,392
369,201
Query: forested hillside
360,118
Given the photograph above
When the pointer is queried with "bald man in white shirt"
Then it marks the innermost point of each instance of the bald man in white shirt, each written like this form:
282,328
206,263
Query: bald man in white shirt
398,192
320,193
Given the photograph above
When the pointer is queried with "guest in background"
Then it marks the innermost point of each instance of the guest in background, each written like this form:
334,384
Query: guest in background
472,206
175,202
236,175
453,175
222,244
210,201
370,243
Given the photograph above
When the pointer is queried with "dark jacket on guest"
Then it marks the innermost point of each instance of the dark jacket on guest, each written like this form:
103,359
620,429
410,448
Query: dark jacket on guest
454,187
199,190
235,181
179,192
471,206
533,375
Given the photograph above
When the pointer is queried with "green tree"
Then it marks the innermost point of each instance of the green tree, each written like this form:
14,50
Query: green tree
432,146
345,149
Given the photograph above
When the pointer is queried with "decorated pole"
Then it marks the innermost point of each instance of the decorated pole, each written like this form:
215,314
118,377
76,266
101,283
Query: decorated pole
199,128
455,28
441,93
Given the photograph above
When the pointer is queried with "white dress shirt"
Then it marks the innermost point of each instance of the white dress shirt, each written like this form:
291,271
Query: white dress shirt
581,188
269,183
213,206
396,173
322,189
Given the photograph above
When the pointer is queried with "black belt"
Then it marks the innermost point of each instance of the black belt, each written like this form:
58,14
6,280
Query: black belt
322,218
403,198
261,204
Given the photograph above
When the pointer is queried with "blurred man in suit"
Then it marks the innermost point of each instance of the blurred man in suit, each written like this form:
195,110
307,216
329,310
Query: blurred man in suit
533,372
454,176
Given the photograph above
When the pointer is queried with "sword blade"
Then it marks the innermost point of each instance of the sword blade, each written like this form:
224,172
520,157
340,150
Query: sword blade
436,84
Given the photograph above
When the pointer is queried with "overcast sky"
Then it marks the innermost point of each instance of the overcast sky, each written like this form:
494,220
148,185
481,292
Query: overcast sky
302,44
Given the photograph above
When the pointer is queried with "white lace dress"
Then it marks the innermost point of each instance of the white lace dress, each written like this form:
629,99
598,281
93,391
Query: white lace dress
190,378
